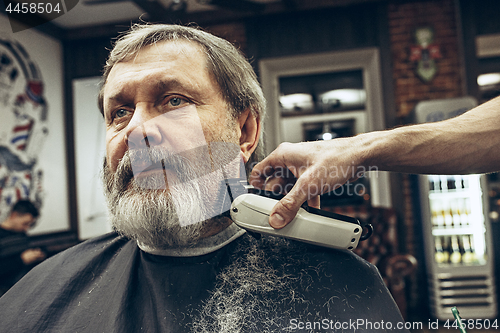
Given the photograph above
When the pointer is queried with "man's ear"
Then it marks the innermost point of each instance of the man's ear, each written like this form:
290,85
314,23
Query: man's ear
250,129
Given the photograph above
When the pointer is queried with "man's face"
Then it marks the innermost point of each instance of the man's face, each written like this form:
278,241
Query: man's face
162,78
163,114
22,222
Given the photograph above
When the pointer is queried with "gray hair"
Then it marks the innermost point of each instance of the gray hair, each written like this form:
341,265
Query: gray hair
232,72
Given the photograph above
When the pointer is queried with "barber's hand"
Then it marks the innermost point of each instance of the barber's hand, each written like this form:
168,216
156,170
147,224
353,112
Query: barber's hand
31,256
316,168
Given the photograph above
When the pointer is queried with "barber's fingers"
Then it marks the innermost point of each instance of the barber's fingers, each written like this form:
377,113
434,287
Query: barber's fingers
260,174
282,159
264,169
286,209
280,184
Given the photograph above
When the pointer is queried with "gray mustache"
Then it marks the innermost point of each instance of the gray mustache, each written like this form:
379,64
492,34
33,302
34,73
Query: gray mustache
186,165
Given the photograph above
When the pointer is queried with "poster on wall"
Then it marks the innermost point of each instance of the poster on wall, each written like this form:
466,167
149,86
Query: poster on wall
32,141
90,149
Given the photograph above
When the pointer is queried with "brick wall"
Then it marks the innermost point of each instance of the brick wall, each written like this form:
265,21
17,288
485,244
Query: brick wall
404,18
409,89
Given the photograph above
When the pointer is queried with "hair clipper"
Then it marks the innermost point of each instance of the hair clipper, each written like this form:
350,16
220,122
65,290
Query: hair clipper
251,207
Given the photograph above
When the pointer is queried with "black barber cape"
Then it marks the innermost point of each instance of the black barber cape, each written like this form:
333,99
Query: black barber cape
12,267
109,284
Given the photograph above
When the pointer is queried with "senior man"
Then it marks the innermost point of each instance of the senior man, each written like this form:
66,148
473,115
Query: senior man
182,111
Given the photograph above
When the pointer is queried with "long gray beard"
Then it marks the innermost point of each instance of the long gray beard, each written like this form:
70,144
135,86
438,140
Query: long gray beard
250,292
144,210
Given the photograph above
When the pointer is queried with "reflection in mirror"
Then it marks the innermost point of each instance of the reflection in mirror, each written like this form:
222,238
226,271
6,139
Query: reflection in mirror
322,93
489,86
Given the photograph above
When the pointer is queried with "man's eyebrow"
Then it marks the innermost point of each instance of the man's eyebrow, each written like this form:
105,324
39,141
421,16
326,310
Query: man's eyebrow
164,85
161,86
169,84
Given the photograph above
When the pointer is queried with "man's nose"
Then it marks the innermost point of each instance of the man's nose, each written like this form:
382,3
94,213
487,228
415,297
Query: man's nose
144,129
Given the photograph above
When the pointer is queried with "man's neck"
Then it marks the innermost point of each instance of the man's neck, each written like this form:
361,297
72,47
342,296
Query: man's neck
211,243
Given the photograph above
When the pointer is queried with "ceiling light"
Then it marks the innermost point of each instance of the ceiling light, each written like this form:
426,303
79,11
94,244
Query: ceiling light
488,79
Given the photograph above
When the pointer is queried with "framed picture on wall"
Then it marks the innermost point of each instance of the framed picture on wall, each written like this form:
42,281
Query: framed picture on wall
32,131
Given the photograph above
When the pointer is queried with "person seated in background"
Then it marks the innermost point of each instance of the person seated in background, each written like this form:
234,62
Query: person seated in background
183,112
16,259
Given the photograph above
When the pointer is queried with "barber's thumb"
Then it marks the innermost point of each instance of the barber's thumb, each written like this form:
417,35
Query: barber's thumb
284,212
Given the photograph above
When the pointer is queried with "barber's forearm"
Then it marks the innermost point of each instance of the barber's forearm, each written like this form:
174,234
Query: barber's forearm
466,144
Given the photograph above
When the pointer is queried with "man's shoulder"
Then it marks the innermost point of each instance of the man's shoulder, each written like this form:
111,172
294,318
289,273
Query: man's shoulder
53,287
105,245
12,243
111,239
8,233
92,254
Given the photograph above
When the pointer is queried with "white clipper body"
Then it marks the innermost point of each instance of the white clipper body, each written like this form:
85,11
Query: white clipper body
251,212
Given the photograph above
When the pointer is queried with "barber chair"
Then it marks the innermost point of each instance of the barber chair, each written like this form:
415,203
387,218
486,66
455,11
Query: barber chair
382,249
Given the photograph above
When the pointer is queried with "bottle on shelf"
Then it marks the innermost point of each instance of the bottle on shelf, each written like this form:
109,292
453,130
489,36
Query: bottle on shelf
465,182
434,218
434,183
459,182
451,184
455,212
447,214
469,256
464,214
437,216
443,181
441,255
455,254
467,209
477,257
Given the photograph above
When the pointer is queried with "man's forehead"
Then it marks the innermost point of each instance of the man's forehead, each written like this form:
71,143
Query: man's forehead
186,58
167,51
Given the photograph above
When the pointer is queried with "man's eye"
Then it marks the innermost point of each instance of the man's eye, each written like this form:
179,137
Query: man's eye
176,101
121,113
